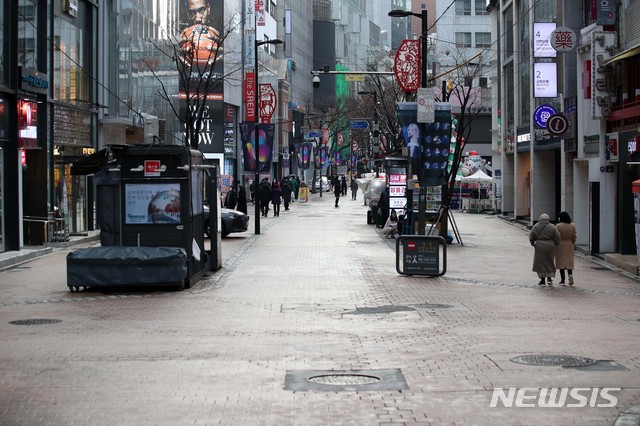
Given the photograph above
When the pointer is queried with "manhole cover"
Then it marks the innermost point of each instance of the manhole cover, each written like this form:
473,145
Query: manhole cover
433,306
344,379
383,379
553,360
35,322
386,309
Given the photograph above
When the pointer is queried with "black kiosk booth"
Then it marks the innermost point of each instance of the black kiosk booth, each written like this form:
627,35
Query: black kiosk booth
150,210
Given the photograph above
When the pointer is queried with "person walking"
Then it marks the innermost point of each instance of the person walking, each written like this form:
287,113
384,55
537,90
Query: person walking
295,184
354,188
337,190
242,199
343,184
265,197
231,199
390,229
286,193
544,237
252,191
276,199
565,250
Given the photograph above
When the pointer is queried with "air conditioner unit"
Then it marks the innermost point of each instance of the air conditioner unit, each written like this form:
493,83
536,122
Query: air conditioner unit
155,128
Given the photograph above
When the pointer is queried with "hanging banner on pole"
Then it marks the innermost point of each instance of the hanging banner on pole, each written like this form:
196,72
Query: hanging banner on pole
407,65
268,102
265,143
320,156
435,146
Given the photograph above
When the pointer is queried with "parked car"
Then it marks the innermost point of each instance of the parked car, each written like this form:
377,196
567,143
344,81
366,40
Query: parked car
232,221
325,184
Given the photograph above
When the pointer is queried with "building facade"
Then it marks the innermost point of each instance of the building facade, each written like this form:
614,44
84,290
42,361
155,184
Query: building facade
579,60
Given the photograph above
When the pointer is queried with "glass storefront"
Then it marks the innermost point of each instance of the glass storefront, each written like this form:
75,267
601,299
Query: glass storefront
1,200
73,137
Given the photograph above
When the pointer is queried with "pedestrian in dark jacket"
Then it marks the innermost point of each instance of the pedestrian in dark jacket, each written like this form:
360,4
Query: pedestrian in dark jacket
343,184
337,190
383,205
231,199
276,199
354,188
265,197
286,193
242,200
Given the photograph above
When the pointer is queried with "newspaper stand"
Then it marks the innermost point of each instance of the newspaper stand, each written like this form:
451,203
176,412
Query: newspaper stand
420,255
151,209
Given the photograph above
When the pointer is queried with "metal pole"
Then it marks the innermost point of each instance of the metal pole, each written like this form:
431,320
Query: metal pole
256,143
422,207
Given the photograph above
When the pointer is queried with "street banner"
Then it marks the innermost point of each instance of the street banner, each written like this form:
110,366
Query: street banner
265,142
268,102
407,113
353,160
337,158
407,65
320,156
436,145
303,154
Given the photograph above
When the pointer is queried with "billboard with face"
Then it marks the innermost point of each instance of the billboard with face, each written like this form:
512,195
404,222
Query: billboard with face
200,44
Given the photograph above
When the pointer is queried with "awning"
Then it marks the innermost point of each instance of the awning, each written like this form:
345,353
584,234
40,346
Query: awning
635,50
95,162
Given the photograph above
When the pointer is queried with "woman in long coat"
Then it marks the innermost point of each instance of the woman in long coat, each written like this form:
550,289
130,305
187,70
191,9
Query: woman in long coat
564,251
544,236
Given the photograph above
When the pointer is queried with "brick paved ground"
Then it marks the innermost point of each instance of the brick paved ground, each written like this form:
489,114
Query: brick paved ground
295,298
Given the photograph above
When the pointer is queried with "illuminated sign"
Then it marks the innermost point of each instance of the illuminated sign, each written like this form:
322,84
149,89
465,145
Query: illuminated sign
542,40
545,76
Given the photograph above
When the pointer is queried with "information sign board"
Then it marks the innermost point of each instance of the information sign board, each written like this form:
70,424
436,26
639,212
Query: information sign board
420,255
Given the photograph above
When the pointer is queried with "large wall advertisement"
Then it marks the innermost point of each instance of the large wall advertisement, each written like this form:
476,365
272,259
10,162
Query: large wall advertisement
201,38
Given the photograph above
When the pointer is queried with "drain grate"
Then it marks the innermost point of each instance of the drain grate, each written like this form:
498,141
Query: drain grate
35,322
553,360
344,379
385,309
600,268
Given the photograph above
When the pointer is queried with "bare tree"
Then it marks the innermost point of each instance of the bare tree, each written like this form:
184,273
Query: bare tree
459,84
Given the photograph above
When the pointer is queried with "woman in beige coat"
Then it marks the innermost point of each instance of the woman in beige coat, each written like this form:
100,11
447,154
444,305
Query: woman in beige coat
544,237
564,251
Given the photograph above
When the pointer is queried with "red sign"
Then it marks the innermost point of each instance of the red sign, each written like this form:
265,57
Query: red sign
407,65
267,102
152,167
250,96
411,245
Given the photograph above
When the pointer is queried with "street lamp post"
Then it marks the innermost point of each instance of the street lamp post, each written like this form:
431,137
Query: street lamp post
256,132
423,127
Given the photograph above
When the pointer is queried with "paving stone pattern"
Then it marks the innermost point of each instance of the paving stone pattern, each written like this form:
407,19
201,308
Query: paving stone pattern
316,291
